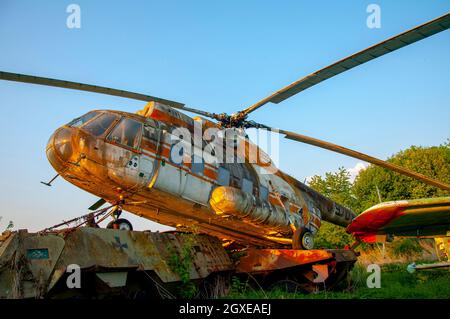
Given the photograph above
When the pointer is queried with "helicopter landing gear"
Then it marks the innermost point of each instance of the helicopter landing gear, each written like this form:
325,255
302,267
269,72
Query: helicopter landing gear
121,224
302,239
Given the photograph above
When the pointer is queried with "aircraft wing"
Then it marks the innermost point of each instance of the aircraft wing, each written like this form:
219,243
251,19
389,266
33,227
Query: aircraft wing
428,217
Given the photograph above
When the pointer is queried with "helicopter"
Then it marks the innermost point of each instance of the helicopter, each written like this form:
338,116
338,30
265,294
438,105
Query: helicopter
152,163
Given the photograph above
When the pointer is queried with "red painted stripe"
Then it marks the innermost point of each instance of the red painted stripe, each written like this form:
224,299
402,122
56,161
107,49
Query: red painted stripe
373,219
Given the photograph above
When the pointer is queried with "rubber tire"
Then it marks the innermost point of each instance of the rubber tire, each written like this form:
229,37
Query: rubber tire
119,222
299,239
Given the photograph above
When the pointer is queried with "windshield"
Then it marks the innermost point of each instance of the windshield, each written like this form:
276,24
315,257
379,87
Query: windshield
100,124
127,132
79,121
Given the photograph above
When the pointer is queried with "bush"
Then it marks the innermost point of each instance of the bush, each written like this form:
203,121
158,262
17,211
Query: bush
406,247
332,236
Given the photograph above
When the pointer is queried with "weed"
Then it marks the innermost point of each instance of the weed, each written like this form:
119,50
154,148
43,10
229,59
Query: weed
396,283
406,247
180,261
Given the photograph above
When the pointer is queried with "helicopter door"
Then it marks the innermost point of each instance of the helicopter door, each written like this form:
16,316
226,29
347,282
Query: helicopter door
123,157
150,147
171,174
196,187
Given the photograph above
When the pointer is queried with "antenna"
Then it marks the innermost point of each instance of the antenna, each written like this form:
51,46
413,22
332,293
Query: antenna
378,193
50,182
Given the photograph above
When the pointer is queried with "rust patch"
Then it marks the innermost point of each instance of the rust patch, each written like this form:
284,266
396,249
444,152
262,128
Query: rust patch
260,260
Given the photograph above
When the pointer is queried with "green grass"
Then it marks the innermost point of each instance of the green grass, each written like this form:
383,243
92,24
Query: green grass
396,283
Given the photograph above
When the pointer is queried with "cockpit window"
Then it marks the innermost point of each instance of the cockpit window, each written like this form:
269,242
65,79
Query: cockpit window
79,121
99,125
127,132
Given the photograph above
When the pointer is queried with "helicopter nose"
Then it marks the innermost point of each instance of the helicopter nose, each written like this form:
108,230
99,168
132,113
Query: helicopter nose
59,147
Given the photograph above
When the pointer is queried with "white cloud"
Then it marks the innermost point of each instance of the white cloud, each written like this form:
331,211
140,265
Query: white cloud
354,171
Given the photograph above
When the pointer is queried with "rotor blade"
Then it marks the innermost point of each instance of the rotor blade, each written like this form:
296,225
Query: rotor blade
96,89
97,204
363,157
413,35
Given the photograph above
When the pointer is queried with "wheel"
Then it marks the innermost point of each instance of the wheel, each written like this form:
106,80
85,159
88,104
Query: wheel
121,224
302,239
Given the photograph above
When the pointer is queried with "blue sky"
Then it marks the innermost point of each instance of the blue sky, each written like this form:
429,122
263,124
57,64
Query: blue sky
218,57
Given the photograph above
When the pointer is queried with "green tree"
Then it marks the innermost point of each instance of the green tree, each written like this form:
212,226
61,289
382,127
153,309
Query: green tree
338,187
430,161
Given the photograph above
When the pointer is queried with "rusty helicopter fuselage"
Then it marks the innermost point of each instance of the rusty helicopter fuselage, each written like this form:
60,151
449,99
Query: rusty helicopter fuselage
118,155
